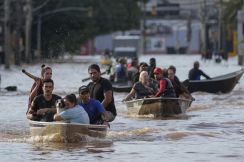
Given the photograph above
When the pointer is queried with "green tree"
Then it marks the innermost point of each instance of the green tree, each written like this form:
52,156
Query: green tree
68,30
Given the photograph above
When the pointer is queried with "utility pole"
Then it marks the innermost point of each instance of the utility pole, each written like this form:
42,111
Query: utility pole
143,26
17,32
204,29
220,43
7,51
28,25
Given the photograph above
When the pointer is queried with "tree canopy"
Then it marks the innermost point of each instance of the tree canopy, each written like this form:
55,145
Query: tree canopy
69,29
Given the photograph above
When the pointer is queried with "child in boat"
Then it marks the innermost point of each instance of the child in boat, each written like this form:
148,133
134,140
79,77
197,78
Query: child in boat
73,113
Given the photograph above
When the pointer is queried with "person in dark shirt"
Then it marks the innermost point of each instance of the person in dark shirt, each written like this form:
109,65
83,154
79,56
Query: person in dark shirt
101,89
141,89
152,66
43,106
195,73
180,89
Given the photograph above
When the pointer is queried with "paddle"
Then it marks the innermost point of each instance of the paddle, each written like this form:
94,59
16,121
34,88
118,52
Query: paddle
88,78
30,75
105,72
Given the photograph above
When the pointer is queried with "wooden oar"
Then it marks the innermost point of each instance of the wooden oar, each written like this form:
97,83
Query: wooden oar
88,78
30,75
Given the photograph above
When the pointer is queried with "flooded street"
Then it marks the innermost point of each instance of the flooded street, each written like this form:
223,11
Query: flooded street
211,130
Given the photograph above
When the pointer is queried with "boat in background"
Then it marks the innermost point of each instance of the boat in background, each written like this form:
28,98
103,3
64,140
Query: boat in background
122,87
220,84
159,107
66,132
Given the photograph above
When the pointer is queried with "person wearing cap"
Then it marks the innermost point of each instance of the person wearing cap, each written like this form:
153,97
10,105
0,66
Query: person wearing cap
166,88
43,106
195,73
95,110
101,89
73,113
141,89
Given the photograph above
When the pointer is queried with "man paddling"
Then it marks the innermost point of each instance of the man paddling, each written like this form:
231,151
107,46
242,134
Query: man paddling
195,73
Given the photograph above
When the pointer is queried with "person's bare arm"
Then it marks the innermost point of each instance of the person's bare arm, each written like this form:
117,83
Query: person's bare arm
33,93
45,110
108,95
131,94
31,114
57,117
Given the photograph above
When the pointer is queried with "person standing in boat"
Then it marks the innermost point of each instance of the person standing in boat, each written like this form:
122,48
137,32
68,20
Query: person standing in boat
73,113
141,89
36,89
43,106
195,73
152,66
166,88
101,89
95,110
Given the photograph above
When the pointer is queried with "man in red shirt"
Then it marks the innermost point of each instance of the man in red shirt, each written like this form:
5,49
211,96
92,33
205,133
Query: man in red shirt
166,88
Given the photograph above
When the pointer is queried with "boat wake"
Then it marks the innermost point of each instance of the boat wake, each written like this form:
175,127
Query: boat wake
140,134
180,135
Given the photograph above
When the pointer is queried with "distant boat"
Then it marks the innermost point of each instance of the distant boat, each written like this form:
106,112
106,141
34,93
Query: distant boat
220,84
122,87
159,107
66,132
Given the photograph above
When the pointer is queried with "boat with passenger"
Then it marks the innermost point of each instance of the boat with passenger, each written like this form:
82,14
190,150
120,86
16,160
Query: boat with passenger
158,106
220,84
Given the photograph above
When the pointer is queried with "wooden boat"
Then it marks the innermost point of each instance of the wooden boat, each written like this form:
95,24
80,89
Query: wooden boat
219,84
122,87
66,132
159,107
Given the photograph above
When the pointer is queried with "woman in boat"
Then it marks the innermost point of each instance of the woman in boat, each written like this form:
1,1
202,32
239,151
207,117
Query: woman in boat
73,113
166,88
36,89
141,89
